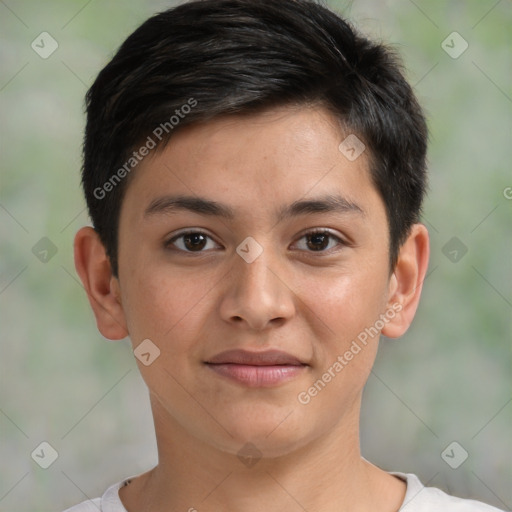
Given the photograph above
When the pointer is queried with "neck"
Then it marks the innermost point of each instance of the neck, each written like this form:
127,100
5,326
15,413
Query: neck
326,474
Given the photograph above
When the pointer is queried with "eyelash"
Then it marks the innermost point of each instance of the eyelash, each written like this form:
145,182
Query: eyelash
330,235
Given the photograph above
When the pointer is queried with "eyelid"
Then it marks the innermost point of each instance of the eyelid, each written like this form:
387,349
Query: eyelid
328,231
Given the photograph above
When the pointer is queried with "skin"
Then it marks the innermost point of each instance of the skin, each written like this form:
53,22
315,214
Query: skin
311,304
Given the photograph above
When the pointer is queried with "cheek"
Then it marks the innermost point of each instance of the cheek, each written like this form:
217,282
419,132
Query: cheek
347,301
158,303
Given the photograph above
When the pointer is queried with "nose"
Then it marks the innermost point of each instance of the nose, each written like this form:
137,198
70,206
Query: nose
257,294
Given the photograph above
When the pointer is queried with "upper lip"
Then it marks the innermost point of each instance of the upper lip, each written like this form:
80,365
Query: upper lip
266,358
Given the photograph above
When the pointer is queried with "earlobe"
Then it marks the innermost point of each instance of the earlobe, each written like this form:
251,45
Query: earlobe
407,280
93,267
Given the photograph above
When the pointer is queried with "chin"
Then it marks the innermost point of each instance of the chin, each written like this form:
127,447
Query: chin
271,433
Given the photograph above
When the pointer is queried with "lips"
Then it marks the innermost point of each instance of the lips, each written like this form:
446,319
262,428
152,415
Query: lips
256,369
267,358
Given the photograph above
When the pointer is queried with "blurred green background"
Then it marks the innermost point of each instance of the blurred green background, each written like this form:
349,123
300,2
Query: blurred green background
448,379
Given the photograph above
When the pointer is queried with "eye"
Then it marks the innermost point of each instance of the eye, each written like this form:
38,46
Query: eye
321,241
191,241
197,241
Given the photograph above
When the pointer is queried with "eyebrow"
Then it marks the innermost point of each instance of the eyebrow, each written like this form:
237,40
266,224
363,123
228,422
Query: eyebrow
326,204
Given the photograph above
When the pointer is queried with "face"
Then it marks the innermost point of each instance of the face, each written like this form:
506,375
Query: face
253,255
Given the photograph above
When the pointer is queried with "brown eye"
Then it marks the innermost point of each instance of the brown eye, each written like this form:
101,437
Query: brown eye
194,241
191,241
321,241
317,241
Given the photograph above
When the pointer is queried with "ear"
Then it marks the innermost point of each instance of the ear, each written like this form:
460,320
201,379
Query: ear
407,280
93,267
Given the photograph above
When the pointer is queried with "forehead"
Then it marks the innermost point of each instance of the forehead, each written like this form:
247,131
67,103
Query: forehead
256,163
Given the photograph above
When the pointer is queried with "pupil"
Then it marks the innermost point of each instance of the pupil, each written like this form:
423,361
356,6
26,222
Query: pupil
195,241
318,238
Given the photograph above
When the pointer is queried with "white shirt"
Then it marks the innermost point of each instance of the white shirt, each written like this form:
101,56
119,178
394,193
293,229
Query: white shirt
417,499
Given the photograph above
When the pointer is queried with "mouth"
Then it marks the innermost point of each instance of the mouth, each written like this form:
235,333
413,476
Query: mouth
257,369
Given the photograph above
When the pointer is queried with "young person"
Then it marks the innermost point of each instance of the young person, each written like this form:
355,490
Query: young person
254,171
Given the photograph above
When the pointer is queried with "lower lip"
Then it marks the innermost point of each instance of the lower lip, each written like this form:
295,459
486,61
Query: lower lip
258,376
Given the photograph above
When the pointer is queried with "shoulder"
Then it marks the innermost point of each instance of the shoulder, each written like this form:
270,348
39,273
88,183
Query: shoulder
86,506
419,498
109,502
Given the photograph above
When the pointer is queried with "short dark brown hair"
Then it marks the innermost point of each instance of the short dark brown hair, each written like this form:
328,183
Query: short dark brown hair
208,58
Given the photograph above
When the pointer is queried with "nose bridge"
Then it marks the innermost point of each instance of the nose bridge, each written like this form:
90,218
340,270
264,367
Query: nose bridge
256,293
255,278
